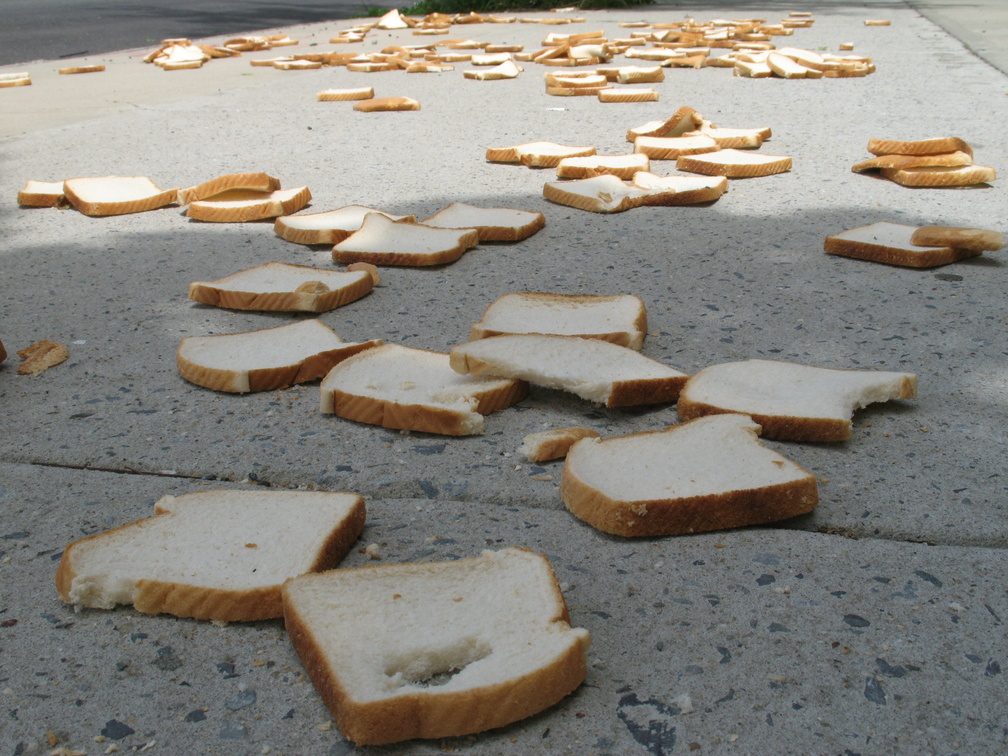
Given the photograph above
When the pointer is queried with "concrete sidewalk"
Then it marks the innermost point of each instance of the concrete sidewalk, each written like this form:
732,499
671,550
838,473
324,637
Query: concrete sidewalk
873,625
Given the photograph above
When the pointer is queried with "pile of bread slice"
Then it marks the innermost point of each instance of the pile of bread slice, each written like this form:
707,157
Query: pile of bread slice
934,162
913,246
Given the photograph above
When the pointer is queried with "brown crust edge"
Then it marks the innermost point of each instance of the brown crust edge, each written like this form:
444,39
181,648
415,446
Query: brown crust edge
926,258
776,427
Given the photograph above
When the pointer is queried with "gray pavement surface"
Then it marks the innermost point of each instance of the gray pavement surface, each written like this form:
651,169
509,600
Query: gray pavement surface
873,625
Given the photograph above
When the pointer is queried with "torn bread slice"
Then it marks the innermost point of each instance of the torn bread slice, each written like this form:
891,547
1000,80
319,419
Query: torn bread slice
958,237
253,182
933,146
733,163
270,358
245,205
276,286
791,402
620,318
491,223
42,194
536,154
414,389
708,474
965,175
116,195
622,166
670,148
553,444
435,650
892,244
593,369
330,227
598,194
218,555
683,120
383,241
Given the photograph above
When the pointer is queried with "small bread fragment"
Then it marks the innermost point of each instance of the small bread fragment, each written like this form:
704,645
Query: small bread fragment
330,227
253,182
245,205
383,241
81,69
733,163
116,195
965,175
436,650
958,237
270,358
343,95
386,104
670,148
536,154
414,389
708,474
622,166
553,444
593,369
933,146
214,555
276,286
41,356
791,402
892,244
491,223
42,194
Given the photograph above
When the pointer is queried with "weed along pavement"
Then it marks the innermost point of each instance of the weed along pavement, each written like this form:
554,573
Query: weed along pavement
874,623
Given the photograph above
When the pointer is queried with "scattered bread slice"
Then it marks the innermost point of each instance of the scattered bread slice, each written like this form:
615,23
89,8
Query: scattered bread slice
386,104
734,164
276,286
253,182
791,402
622,166
330,227
957,237
97,68
626,94
599,194
933,146
593,369
491,223
245,205
708,474
116,195
683,120
436,650
536,154
42,194
553,444
966,175
508,69
733,138
414,389
679,190
670,148
270,358
15,79
942,159
344,95
41,356
214,555
621,318
893,244
383,241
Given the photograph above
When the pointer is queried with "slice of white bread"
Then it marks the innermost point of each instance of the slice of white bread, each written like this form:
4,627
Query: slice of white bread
254,182
963,175
42,194
270,358
620,318
536,154
243,205
734,164
116,195
623,166
683,120
507,69
943,159
597,370
669,148
15,79
330,227
434,650
931,146
215,555
491,223
279,286
707,474
598,194
892,244
679,190
345,95
791,402
627,94
733,138
553,444
386,104
414,389
383,241
958,237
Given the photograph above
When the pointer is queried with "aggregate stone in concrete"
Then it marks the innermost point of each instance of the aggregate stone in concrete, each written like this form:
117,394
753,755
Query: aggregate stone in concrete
751,641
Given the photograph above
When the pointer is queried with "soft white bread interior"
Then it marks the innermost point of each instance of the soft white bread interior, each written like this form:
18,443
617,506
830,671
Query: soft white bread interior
216,555
279,286
624,166
270,358
116,195
593,369
621,318
330,227
892,244
553,444
791,402
433,650
382,241
256,182
414,389
491,223
42,194
707,474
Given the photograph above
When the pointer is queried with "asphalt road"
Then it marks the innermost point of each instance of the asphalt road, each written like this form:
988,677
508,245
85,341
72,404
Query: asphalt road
53,29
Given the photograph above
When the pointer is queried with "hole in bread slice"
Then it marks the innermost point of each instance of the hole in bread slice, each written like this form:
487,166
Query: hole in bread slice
435,666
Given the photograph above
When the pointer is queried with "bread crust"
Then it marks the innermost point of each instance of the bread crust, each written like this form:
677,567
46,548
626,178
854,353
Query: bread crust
305,299
258,208
260,182
709,165
783,428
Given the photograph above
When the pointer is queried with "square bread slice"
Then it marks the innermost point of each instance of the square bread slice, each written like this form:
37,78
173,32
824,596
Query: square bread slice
596,370
116,195
330,227
267,359
536,154
622,166
683,120
244,205
620,318
708,474
943,159
435,650
791,402
963,175
491,223
892,244
414,389
214,555
670,148
276,286
255,182
958,237
932,146
383,241
733,163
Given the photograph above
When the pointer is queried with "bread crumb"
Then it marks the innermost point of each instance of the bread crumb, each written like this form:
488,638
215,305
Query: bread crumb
373,551
41,356
324,727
